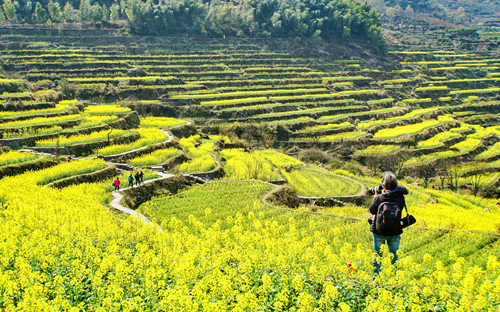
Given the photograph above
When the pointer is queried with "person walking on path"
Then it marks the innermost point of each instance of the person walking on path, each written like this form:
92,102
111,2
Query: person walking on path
117,184
130,180
141,175
386,208
137,178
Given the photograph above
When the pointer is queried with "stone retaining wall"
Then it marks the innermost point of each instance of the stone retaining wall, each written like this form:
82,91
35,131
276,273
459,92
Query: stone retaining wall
183,131
123,157
174,161
87,148
128,121
96,176
37,164
357,200
135,196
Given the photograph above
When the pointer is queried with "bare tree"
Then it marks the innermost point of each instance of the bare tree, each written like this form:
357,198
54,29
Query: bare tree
477,177
394,163
373,163
454,173
109,133
254,169
424,170
268,139
442,171
58,147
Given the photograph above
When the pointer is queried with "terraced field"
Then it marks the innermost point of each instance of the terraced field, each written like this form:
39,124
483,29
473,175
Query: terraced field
345,105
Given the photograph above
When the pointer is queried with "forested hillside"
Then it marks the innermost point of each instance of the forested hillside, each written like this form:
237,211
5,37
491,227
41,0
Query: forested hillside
441,12
268,18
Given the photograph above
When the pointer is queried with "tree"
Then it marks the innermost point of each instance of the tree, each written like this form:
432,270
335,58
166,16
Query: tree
26,12
69,13
442,172
105,13
276,23
268,139
346,32
96,13
10,10
84,11
390,12
40,15
374,34
461,15
409,11
477,177
254,169
397,10
264,18
115,12
424,170
394,163
2,16
55,11
373,163
454,173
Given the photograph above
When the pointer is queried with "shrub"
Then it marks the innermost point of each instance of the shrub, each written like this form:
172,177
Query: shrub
286,196
489,191
315,155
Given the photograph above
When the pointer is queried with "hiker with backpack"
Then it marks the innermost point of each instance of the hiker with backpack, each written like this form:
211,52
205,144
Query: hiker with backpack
130,181
386,223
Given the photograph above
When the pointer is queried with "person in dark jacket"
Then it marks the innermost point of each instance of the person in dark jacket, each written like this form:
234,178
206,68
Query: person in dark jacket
137,178
392,192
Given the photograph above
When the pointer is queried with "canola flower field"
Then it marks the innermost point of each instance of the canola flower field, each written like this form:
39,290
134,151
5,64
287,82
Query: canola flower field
223,245
318,184
223,249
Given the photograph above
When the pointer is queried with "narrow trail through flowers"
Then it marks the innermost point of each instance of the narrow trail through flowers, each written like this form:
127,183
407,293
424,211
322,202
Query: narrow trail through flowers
118,196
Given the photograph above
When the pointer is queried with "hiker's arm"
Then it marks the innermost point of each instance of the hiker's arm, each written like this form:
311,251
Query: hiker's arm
374,205
402,189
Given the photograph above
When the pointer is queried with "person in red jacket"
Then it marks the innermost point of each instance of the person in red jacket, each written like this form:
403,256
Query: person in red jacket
117,184
389,191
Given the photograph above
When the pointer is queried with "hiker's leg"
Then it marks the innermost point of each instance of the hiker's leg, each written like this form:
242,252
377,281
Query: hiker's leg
378,240
393,244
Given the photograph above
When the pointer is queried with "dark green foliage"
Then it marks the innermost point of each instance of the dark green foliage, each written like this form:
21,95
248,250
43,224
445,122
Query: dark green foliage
55,11
285,196
268,18
465,32
9,9
37,164
216,18
490,191
40,14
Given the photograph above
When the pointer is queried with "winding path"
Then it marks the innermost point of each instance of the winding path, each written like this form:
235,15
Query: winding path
118,196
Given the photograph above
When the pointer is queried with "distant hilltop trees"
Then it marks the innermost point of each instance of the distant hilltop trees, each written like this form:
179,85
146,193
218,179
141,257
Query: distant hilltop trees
443,12
212,18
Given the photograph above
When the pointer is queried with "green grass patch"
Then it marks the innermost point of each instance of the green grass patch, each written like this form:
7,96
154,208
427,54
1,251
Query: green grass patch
319,184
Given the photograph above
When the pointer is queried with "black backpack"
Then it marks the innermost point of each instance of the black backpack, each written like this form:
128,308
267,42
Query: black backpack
388,219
